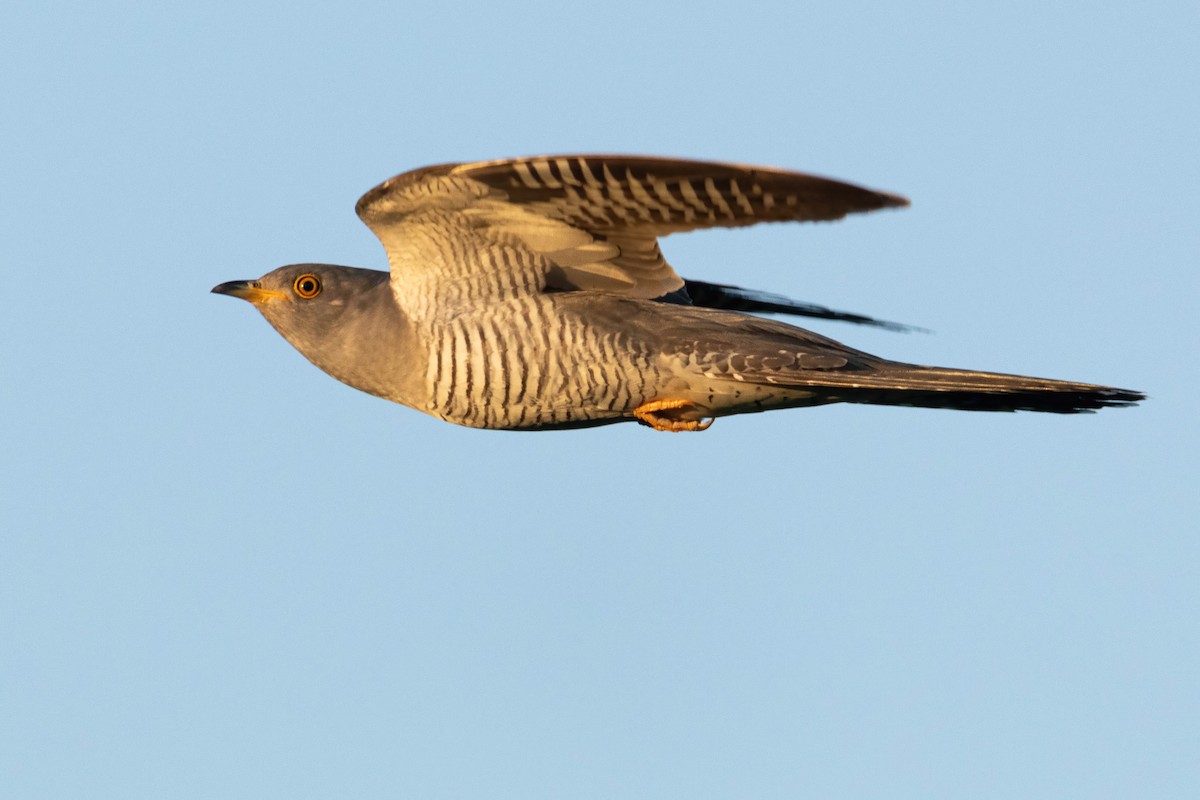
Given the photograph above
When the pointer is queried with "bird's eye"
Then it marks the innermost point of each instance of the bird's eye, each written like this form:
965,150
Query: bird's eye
307,286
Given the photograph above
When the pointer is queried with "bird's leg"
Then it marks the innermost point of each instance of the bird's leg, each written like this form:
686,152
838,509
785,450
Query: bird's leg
668,415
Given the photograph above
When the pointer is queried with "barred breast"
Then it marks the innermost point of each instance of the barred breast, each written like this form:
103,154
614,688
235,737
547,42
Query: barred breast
523,363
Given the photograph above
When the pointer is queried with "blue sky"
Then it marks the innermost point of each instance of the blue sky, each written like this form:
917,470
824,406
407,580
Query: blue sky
227,575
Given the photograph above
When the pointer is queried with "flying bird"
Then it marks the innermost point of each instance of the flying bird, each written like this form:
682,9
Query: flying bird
531,294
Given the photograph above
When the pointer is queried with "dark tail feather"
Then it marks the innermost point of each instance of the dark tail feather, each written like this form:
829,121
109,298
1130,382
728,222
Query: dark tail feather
735,298
934,387
1054,402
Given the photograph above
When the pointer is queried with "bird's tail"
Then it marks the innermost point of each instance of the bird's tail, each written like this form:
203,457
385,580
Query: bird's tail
895,384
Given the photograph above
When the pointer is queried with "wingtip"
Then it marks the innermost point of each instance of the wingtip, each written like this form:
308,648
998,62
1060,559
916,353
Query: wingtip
1121,398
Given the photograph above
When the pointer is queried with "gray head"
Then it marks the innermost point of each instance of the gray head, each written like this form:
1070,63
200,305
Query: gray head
335,316
307,298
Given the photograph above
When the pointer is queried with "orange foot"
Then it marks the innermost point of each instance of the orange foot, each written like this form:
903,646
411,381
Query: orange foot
668,415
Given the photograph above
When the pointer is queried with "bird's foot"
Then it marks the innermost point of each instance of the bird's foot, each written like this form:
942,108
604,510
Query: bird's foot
671,415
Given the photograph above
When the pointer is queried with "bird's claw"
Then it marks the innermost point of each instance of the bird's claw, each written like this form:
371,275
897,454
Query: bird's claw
669,415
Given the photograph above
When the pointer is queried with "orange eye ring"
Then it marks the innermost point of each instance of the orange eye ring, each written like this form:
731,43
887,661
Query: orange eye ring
307,286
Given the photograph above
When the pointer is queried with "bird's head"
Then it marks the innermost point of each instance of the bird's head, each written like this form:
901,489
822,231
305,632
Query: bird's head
309,302
333,315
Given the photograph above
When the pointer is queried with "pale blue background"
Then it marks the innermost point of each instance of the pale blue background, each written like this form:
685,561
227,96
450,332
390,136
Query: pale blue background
225,575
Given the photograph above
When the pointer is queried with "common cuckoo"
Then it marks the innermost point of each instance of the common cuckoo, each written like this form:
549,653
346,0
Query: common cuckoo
531,294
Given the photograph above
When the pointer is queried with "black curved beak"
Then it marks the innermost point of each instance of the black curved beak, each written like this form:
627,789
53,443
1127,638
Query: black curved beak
250,291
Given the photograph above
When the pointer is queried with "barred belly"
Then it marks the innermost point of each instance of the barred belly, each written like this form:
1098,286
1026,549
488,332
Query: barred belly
521,363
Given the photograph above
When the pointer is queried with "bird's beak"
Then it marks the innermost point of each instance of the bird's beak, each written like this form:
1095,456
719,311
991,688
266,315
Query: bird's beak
247,290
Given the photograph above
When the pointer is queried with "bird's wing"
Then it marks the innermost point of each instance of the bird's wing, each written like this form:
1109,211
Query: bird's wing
753,301
578,222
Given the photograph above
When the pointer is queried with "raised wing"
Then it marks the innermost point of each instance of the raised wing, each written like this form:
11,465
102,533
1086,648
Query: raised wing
492,228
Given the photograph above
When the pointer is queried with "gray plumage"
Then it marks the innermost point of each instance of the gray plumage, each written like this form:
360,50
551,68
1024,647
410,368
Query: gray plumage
532,294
